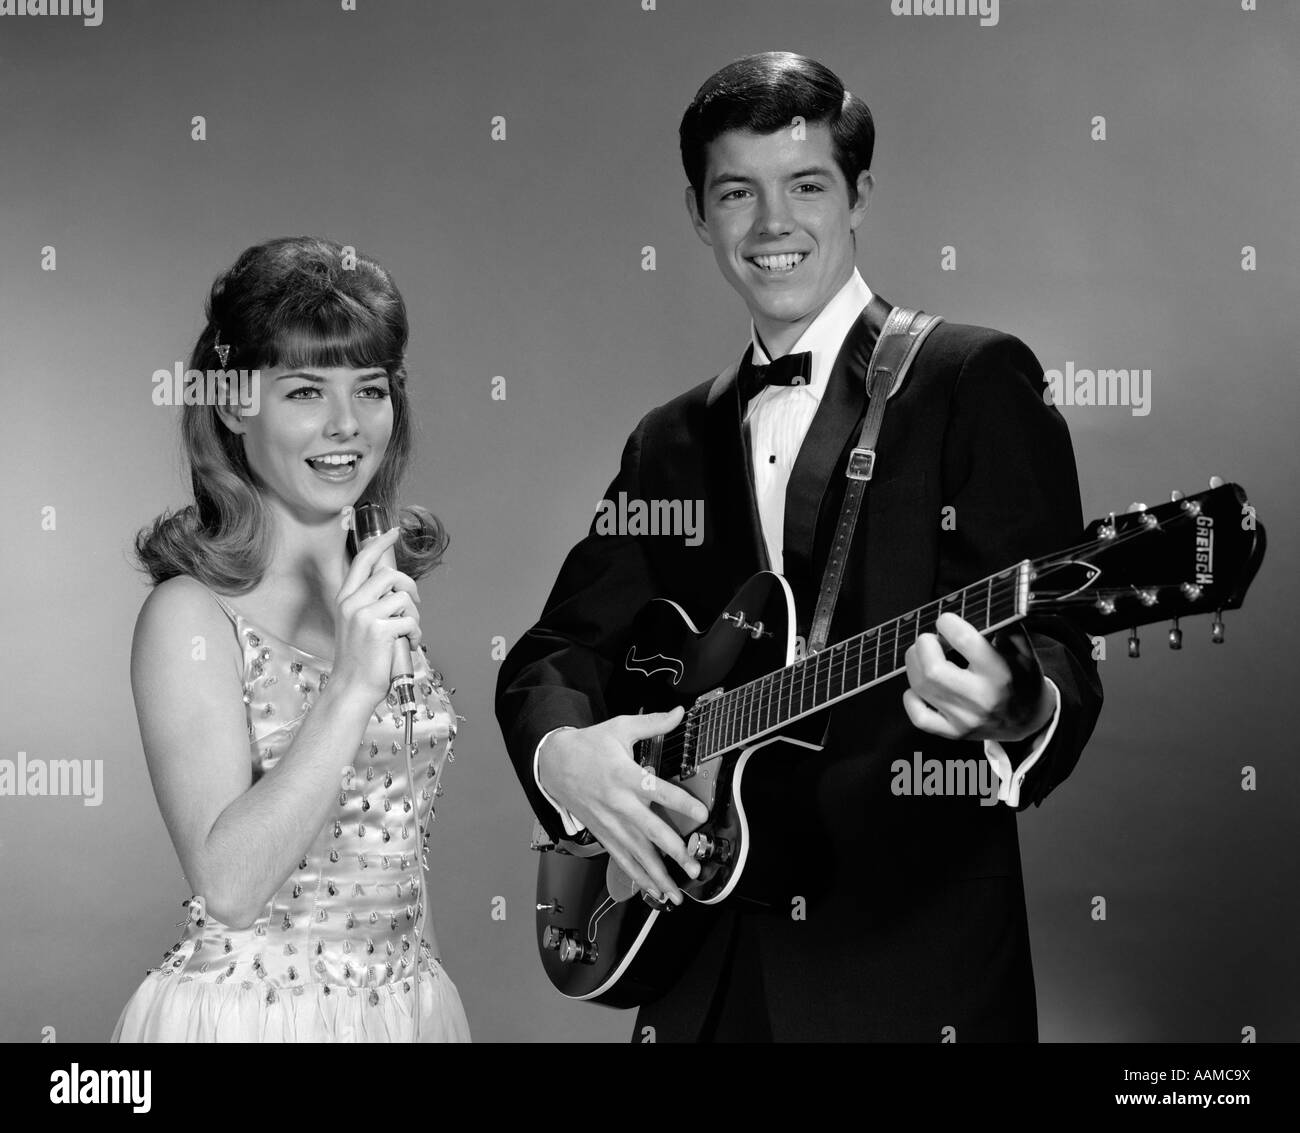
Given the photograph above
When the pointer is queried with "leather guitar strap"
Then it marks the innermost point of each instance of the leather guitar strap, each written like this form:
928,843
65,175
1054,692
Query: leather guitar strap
899,340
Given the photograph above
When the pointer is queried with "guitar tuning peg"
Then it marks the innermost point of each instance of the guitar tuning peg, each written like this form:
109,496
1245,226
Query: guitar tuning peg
1175,495
1216,628
1134,646
1216,481
1175,636
1135,506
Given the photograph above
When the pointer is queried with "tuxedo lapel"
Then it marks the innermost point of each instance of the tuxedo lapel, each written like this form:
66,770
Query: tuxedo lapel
816,478
733,508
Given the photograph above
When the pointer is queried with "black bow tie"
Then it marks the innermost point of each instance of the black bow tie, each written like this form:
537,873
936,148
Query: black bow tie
790,370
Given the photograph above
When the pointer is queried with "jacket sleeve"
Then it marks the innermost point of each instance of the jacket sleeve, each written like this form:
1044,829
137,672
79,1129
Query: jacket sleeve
557,672
1010,475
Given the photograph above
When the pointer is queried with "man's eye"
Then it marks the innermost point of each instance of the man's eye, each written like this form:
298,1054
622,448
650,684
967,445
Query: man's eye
814,188
732,193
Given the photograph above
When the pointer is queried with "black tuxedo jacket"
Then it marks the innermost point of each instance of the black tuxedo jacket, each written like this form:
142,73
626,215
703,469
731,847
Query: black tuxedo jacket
894,917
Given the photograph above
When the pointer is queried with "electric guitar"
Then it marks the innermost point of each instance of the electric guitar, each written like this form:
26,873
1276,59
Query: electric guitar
601,939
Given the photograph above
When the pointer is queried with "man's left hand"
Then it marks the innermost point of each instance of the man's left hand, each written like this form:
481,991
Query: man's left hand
1001,694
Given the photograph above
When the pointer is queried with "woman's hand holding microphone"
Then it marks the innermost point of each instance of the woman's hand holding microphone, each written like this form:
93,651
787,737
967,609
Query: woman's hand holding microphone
375,606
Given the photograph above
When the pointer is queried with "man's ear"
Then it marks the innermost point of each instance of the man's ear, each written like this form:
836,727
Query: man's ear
866,182
697,221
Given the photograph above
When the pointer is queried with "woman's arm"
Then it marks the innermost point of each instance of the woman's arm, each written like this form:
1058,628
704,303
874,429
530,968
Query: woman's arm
237,840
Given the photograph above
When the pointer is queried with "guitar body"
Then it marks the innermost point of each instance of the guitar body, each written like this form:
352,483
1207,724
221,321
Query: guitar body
608,952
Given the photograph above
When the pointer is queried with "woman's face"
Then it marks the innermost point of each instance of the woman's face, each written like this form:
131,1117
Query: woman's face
311,421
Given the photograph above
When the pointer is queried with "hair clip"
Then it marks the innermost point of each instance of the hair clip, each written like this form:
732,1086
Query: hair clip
223,351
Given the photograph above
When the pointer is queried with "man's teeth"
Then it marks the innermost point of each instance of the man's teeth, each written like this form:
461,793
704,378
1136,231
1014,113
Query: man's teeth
783,262
333,460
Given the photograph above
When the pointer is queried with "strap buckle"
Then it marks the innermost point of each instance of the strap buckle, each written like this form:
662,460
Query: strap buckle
862,462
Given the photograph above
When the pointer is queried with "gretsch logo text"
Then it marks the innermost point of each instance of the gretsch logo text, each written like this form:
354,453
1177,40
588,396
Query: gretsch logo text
1204,550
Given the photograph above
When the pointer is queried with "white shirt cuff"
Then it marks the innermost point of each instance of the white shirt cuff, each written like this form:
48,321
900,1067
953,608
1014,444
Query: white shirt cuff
1009,782
571,825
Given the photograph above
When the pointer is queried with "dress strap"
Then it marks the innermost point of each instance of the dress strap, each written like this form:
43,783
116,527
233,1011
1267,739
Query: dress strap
231,612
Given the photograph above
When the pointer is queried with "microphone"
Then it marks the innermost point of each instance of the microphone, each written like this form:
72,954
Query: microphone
369,521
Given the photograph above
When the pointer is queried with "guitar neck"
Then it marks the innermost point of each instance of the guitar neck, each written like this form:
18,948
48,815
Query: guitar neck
748,712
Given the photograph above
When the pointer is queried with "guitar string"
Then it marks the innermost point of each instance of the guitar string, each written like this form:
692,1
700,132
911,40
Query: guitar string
763,699
756,696
1045,563
675,742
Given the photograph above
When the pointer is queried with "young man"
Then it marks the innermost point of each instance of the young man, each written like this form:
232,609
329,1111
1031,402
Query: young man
895,916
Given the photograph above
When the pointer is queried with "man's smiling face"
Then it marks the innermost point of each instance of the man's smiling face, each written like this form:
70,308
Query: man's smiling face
778,218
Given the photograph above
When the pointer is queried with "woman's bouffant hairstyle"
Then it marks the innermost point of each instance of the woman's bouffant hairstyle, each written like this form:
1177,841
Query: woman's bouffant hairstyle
297,302
764,93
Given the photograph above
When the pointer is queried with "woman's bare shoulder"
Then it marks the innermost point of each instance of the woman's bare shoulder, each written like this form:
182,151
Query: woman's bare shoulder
179,617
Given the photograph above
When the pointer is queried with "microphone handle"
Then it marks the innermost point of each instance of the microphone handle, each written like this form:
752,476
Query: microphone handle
369,522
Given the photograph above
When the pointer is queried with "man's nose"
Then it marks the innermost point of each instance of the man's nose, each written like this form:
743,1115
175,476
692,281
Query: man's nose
774,215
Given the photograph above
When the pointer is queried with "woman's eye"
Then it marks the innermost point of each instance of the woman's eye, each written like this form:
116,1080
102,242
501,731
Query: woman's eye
372,393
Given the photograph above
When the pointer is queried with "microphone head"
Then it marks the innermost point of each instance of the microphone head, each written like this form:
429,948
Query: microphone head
369,520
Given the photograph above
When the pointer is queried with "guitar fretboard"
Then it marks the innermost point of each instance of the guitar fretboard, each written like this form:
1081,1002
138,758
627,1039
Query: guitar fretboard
749,711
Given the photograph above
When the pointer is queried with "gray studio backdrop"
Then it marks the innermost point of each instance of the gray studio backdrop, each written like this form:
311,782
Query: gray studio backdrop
522,258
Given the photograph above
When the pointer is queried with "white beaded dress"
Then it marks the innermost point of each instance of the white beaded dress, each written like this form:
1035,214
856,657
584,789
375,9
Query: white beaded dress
337,955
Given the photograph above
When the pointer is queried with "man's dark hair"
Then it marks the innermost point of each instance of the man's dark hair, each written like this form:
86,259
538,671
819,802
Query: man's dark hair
764,93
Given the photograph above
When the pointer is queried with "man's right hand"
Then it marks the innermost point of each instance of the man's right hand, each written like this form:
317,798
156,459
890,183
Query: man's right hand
593,774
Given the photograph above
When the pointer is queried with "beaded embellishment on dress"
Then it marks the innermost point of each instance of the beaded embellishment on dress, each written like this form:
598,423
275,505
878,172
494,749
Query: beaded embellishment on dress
344,921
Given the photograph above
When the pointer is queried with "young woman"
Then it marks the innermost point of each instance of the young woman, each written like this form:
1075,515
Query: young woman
261,671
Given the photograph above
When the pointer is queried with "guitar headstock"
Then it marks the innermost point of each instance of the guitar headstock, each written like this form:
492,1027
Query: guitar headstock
1194,555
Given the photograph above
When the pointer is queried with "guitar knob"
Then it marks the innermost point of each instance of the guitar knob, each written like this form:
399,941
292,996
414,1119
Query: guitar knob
1175,636
705,849
1175,495
1135,506
553,905
1216,628
571,949
700,847
1216,481
1134,646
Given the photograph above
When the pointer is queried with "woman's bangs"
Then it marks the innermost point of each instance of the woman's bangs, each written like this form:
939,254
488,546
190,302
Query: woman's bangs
325,343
